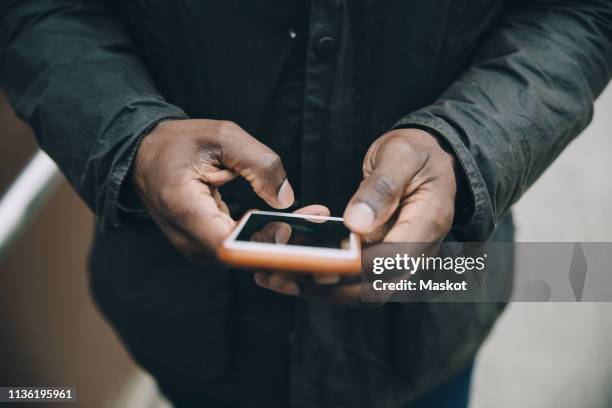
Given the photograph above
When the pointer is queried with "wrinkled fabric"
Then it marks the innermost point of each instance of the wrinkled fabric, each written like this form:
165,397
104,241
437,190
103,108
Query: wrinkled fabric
505,84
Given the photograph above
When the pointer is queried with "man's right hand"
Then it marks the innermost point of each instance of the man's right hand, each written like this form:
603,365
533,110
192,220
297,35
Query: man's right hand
179,167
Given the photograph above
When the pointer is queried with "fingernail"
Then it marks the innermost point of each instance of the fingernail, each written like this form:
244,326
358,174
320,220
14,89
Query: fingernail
359,217
282,234
290,288
261,280
285,195
327,279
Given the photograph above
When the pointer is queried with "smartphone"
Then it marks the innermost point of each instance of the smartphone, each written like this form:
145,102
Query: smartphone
292,242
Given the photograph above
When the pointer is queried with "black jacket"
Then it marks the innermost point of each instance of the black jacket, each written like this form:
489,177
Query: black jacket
507,85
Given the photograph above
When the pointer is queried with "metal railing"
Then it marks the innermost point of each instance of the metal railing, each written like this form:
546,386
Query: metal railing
25,197
18,207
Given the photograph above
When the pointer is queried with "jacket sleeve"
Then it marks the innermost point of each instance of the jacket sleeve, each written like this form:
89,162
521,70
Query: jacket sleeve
528,92
69,70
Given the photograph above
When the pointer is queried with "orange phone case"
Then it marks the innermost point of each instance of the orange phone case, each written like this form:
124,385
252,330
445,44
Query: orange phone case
295,263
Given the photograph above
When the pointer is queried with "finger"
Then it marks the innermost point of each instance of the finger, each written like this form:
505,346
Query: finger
326,278
193,250
279,282
282,282
274,232
258,164
380,192
280,232
320,278
262,279
196,214
217,178
315,209
286,284
421,219
219,200
379,233
347,294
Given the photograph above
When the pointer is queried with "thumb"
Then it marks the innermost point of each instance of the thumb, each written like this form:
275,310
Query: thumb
380,193
260,166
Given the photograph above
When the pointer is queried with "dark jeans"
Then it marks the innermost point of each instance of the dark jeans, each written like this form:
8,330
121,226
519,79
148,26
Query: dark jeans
454,393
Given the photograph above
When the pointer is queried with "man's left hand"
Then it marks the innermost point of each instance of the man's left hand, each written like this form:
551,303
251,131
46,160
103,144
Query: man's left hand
408,190
407,195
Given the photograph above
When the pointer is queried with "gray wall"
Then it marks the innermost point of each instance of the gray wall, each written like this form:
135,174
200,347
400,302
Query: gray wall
558,354
50,332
